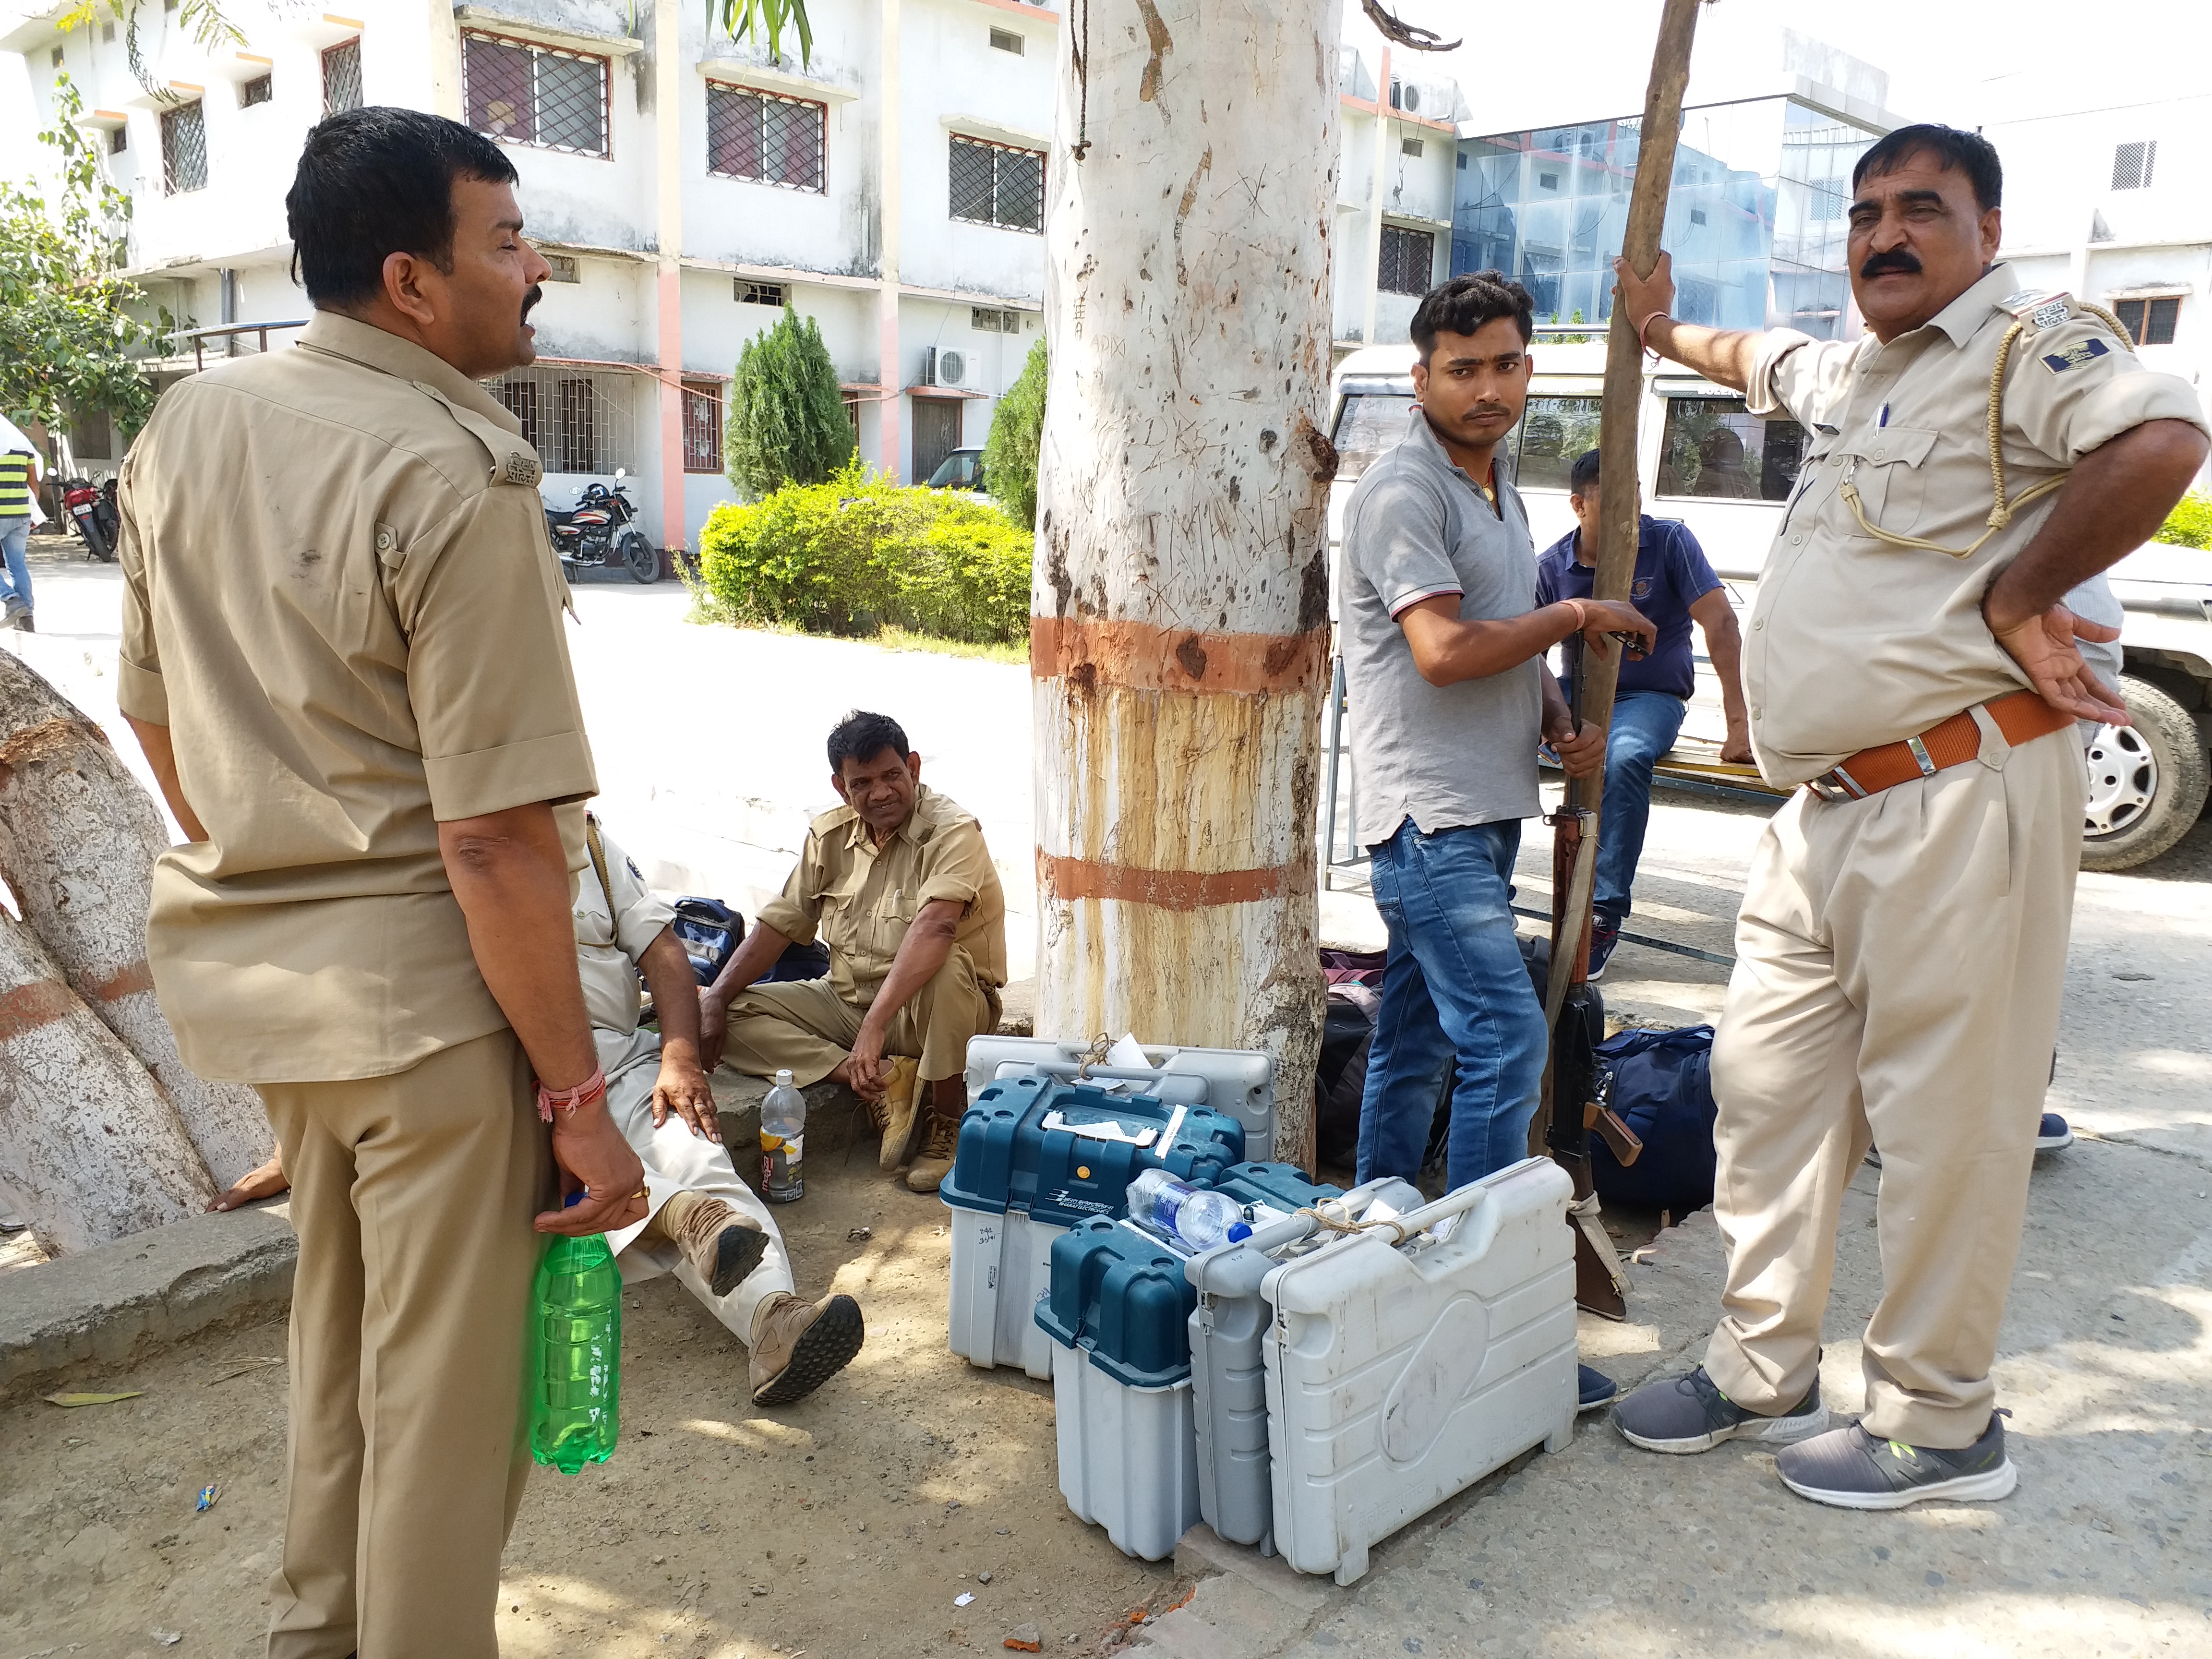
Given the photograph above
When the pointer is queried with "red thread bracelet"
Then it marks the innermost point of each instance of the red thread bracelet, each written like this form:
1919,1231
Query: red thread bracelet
569,1100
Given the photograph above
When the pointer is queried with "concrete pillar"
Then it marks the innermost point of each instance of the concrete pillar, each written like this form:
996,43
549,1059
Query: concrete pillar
668,142
887,299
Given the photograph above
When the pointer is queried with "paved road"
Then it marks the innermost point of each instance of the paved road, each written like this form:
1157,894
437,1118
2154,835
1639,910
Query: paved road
707,742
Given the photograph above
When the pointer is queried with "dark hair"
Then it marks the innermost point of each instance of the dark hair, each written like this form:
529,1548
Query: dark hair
1965,152
1584,473
861,736
376,181
1462,304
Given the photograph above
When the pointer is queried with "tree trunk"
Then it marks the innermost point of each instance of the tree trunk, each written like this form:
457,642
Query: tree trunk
78,838
90,1149
1179,641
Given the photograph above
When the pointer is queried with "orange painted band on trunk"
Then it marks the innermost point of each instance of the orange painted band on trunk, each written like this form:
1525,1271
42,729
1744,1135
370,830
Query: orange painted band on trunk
1167,889
27,1007
123,982
1137,656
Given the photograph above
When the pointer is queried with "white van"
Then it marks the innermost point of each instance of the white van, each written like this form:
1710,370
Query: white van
1725,472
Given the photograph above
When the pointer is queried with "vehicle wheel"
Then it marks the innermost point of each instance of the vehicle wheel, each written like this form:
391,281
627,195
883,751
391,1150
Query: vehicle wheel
642,557
2147,781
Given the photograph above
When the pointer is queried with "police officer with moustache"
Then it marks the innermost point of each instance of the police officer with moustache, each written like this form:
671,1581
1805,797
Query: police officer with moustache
1910,664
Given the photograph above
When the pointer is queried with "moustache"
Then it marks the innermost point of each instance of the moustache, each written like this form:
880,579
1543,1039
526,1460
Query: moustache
530,301
1481,411
1897,259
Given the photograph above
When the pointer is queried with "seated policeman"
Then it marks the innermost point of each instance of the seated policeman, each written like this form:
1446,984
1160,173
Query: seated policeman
900,886
1673,587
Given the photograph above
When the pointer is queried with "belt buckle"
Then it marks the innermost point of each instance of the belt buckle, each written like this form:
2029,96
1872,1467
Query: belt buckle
1836,785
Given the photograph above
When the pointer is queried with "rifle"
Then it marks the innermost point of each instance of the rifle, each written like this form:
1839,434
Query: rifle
1574,1014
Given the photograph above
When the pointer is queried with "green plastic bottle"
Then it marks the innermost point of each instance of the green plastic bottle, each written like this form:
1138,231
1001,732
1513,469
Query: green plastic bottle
576,1365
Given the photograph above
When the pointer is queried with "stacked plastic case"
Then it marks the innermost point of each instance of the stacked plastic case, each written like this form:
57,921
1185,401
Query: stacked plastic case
1117,1319
1238,1083
1037,1156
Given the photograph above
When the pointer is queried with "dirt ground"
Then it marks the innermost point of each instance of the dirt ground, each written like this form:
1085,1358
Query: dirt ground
846,1524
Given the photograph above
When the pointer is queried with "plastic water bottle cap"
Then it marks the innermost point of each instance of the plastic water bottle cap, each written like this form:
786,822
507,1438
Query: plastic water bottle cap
1239,1230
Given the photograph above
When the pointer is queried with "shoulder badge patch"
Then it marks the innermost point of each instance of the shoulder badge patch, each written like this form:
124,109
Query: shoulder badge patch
2023,300
2074,356
521,469
2049,314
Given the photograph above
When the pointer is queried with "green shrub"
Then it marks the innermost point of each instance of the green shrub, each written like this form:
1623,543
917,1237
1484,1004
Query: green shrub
1010,454
2189,524
786,420
859,553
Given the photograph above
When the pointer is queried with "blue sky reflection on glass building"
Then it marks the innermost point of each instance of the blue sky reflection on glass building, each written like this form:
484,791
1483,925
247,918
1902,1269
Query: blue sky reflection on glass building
1755,219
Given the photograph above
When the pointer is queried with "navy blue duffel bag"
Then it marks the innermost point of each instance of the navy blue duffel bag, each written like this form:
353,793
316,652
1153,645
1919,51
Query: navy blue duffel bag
1660,1085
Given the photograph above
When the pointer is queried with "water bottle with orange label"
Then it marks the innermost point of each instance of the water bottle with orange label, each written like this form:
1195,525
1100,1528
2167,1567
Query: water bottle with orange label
783,1143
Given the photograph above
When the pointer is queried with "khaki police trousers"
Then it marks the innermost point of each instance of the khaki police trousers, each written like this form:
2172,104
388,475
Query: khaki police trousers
412,1196
805,1027
1899,961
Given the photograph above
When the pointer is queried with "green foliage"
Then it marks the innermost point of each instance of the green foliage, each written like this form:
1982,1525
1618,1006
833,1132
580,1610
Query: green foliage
740,17
2189,524
202,20
859,553
785,423
65,335
1009,455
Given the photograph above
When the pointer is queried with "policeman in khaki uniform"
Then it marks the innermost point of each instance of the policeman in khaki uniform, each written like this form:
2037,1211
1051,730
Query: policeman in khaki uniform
900,885
343,653
1902,943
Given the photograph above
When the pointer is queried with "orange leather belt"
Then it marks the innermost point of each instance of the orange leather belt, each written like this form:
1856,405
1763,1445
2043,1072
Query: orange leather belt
2020,715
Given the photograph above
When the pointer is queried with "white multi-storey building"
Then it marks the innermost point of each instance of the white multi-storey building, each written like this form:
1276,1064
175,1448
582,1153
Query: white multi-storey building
685,185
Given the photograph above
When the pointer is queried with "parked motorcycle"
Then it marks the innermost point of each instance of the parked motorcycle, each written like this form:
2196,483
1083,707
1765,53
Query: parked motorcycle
91,507
598,532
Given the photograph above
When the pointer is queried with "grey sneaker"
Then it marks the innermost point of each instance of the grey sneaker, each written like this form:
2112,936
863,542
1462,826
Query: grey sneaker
1852,1470
1684,1414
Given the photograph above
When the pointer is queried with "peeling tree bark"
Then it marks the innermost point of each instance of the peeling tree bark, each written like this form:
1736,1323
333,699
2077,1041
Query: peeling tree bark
90,1148
78,838
1179,638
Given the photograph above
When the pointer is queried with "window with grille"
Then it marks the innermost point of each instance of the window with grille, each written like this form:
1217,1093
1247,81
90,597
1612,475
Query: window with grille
523,93
561,268
853,418
1409,260
576,422
1007,40
765,138
183,149
750,292
985,319
2132,164
259,90
342,77
2149,322
119,140
702,429
998,184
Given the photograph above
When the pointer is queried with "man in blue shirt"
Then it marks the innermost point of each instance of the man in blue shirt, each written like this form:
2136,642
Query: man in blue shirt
1674,586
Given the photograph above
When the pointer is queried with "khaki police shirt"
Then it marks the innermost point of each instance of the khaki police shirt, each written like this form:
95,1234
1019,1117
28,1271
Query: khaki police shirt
862,901
611,943
1854,641
340,599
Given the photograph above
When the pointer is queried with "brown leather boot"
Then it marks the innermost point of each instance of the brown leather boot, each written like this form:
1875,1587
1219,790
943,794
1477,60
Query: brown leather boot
721,1243
940,1141
798,1346
895,1114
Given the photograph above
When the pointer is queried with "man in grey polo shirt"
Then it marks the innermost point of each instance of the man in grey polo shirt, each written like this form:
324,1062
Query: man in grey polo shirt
1443,649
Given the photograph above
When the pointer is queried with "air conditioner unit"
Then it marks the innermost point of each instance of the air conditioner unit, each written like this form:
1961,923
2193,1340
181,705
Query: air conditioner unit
952,368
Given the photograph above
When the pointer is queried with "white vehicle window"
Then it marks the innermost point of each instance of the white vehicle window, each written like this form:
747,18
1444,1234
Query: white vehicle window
1716,448
1368,423
1552,432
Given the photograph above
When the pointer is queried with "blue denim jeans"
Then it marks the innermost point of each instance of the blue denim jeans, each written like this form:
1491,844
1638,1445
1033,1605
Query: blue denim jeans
1644,726
15,544
1454,993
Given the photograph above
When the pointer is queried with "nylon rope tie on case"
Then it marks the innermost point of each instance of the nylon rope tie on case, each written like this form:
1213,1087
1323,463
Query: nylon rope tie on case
1327,1223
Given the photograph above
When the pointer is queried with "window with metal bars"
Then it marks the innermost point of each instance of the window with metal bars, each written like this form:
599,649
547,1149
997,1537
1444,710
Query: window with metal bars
1409,260
2149,322
702,429
750,293
259,90
989,320
765,138
183,149
998,184
2132,164
576,422
119,140
342,77
523,93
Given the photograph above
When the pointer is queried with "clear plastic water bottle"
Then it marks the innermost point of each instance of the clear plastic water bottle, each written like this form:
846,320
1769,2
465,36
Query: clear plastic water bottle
783,1143
576,1381
1198,1219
